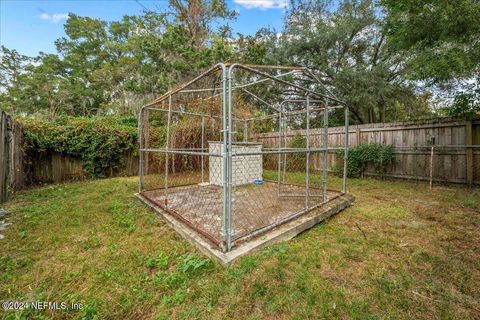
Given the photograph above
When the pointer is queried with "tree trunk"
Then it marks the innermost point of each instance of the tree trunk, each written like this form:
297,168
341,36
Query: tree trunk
357,115
371,115
382,111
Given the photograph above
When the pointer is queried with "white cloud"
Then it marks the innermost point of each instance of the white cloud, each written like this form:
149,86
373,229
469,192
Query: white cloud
262,4
54,18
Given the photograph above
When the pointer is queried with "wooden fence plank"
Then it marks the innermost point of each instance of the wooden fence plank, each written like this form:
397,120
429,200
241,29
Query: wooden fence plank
450,164
3,158
469,151
11,157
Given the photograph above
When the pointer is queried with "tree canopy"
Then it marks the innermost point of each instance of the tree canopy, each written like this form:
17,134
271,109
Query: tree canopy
385,59
442,41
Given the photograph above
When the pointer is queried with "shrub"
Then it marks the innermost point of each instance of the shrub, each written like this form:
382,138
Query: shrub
101,143
359,157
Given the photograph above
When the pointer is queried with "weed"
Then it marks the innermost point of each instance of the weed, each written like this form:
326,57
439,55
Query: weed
259,289
159,262
193,264
470,203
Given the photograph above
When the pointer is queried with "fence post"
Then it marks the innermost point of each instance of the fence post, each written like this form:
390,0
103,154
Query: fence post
359,142
469,151
431,162
3,157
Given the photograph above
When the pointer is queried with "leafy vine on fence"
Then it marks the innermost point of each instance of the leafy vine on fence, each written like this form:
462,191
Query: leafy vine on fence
359,157
102,144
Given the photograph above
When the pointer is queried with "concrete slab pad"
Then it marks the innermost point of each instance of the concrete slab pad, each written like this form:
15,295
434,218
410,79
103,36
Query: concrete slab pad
283,232
253,206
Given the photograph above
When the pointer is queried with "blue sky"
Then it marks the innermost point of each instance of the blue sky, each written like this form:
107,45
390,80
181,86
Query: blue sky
31,26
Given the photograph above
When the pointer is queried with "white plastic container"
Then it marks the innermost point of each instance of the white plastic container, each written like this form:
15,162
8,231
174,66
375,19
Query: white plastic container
245,169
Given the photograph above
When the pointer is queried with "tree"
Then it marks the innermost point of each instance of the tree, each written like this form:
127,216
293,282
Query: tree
197,16
115,67
347,49
440,37
12,73
465,103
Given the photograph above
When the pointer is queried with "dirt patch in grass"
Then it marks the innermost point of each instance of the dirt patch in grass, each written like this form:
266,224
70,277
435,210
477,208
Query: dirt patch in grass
400,252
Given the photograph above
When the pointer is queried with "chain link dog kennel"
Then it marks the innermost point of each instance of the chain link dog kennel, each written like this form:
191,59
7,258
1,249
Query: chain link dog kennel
241,150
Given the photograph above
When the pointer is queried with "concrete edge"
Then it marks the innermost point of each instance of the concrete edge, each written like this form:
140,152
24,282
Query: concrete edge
278,234
190,235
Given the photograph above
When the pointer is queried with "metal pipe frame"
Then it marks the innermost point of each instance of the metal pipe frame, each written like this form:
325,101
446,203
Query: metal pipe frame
203,144
248,84
259,99
182,152
192,113
307,159
307,209
141,160
267,151
280,125
285,151
325,153
166,147
227,160
227,90
345,153
225,204
287,83
215,68
296,112
243,85
245,131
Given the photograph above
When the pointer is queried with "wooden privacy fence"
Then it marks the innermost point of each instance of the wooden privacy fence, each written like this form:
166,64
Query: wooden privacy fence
11,156
456,156
16,171
53,167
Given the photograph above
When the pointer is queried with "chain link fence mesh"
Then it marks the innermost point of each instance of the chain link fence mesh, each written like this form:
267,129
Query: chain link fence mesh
201,163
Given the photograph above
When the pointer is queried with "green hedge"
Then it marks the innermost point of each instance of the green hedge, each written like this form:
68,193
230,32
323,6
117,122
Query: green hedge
101,143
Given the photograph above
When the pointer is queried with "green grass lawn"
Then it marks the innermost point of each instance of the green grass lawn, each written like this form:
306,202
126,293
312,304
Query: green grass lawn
400,252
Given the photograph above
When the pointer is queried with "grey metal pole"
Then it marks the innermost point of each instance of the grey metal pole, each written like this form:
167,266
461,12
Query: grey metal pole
307,160
284,130
166,147
280,125
229,157
345,154
216,67
203,144
245,131
140,156
325,152
285,82
224,163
